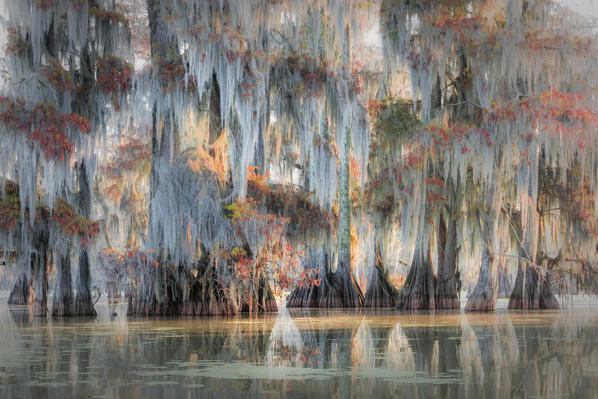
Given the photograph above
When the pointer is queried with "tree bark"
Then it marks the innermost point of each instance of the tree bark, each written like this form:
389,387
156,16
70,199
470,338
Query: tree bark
504,283
484,294
307,296
62,304
418,292
447,296
380,292
344,290
532,290
22,291
83,301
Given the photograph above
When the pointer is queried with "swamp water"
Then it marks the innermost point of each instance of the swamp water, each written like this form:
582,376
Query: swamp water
290,354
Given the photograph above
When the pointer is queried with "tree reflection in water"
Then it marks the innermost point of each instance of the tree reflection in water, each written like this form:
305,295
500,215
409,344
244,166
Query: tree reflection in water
302,353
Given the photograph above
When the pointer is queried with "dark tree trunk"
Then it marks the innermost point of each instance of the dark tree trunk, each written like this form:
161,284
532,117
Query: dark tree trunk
447,296
312,296
380,292
532,290
83,300
418,292
261,298
39,273
22,291
215,127
303,297
62,304
344,290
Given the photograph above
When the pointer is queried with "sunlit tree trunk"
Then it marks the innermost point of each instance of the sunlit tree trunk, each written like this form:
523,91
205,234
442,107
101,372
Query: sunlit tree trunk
380,292
344,290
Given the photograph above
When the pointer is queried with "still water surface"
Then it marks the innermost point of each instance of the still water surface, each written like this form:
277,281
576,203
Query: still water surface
302,354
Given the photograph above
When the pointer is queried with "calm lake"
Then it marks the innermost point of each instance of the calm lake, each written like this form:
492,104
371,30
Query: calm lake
312,354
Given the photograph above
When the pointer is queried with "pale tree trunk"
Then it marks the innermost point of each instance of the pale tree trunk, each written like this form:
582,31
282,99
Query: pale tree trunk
504,283
484,294
532,288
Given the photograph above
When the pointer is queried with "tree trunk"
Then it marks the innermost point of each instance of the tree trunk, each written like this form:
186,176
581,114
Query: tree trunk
83,301
39,273
62,304
419,288
380,292
307,296
22,291
504,283
447,296
484,294
265,297
532,290
344,291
